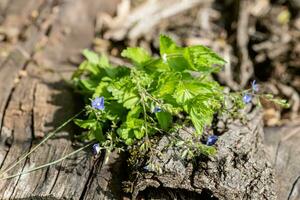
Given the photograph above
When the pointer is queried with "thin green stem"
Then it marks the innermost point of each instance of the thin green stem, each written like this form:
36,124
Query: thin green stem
145,113
48,164
24,156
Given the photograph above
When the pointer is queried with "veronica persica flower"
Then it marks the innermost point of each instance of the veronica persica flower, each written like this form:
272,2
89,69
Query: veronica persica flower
255,87
98,103
96,148
211,140
157,109
247,98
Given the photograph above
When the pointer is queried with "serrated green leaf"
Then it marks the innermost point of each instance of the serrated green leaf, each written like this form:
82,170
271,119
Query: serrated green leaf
164,119
136,54
91,56
86,124
97,132
197,121
173,54
123,91
167,45
208,150
101,90
166,84
134,112
203,59
94,127
130,100
88,84
138,134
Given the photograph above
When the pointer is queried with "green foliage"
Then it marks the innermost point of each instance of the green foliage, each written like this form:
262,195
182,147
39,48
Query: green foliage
151,96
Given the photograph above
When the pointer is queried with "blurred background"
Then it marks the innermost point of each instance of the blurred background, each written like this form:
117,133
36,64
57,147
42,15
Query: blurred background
259,39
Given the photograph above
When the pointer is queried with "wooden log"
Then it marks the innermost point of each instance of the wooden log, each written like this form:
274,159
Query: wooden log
282,144
239,170
35,99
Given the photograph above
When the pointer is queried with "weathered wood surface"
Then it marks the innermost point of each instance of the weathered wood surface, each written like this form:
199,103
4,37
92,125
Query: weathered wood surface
43,35
239,170
283,147
34,98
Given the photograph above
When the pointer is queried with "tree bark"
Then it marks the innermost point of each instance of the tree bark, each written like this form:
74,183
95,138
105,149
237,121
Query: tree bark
239,170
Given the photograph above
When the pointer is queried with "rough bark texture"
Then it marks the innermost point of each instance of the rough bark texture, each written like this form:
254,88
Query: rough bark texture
239,170
34,98
282,145
40,38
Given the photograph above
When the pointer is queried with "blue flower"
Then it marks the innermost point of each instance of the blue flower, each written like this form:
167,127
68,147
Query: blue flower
157,109
96,148
98,103
247,98
211,140
255,87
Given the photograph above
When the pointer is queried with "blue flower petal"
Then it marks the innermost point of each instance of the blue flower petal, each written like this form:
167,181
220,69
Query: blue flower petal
98,103
211,140
96,148
157,109
247,98
255,87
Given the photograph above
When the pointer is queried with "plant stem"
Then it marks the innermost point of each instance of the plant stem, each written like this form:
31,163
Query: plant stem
13,164
48,164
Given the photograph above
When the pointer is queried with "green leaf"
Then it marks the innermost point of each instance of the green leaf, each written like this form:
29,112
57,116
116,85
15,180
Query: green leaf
201,110
115,111
88,84
164,119
173,54
101,90
184,92
94,127
208,150
91,56
124,92
103,62
166,84
203,59
138,134
86,124
167,45
138,55
178,63
127,135
197,121
130,100
97,132
134,112
186,88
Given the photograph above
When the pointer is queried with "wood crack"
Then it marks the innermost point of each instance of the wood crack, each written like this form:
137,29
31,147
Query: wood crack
293,187
97,163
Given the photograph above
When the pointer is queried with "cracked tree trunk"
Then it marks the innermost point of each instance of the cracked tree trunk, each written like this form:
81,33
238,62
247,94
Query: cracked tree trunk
35,99
239,170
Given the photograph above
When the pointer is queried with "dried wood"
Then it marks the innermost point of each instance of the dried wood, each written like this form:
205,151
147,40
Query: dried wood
239,170
282,144
145,17
35,100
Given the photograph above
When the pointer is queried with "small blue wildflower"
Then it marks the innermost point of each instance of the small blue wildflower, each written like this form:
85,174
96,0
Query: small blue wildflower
98,103
211,140
247,98
96,148
255,87
157,109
